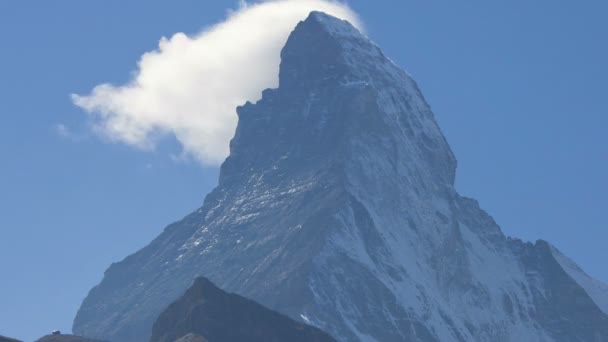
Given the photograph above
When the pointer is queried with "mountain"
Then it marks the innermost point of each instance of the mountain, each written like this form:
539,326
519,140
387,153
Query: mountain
216,316
337,207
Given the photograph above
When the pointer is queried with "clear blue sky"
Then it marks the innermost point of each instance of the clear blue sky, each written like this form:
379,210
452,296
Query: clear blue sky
519,88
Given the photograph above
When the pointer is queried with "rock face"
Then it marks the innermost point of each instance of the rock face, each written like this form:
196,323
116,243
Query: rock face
205,312
337,208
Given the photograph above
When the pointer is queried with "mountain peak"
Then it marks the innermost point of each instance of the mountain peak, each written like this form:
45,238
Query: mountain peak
333,25
323,48
337,93
337,208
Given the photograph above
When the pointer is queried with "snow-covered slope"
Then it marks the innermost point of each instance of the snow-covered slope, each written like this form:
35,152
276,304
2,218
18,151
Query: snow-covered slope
337,207
597,290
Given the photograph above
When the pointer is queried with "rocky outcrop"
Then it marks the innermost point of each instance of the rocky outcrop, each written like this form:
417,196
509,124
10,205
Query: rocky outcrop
8,339
205,312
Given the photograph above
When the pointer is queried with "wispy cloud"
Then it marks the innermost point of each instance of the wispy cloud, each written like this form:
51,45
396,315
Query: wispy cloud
66,132
62,130
190,86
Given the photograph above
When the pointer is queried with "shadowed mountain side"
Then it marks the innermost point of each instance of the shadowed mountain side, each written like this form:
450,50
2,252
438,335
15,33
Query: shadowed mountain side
8,339
216,316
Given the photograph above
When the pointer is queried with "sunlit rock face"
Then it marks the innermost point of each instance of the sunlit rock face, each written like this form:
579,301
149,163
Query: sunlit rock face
337,208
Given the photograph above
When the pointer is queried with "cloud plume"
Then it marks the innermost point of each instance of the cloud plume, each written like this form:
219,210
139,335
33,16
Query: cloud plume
190,86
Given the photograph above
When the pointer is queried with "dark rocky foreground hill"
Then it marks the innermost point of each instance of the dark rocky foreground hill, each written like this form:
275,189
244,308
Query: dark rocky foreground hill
8,339
65,338
207,313
337,208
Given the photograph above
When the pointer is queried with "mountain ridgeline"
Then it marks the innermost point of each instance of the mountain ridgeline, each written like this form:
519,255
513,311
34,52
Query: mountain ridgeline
337,208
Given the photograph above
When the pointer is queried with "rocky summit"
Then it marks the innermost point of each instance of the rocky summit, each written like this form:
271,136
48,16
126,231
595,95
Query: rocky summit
337,208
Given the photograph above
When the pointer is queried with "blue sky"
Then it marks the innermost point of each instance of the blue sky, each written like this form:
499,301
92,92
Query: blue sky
518,87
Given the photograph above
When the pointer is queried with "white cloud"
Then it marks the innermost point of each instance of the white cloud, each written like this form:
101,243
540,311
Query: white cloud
190,86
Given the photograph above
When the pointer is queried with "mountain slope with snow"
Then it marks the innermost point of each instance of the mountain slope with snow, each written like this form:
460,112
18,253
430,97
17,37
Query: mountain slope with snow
337,207
597,290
